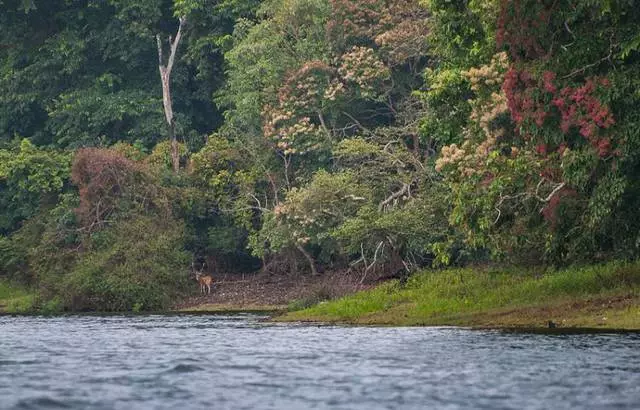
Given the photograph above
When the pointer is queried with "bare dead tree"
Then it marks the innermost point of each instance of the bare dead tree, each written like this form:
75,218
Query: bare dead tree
165,77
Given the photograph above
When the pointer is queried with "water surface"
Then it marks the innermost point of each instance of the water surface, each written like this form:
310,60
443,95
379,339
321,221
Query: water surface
240,362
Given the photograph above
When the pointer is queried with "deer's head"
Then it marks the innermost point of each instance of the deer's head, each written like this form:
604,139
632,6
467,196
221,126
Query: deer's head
197,273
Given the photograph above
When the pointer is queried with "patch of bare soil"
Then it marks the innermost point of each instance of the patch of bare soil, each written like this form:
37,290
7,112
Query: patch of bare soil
268,289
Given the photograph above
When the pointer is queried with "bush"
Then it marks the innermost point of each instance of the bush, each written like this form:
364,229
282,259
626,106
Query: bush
138,263
113,246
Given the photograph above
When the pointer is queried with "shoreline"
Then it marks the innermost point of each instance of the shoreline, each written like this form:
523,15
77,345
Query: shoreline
593,297
586,299
280,314
485,321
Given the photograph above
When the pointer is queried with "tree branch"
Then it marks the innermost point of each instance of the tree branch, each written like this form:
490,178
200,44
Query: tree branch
309,258
160,53
363,128
323,124
375,259
165,77
174,44
527,195
555,191
404,190
588,66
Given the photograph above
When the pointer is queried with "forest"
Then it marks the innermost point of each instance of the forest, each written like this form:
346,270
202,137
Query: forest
139,138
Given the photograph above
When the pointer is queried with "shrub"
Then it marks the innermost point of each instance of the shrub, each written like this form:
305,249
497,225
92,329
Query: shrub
138,263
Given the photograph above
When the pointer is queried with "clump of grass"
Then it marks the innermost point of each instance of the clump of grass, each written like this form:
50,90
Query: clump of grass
431,297
15,299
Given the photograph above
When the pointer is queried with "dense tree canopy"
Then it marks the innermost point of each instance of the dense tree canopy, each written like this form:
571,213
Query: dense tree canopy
361,135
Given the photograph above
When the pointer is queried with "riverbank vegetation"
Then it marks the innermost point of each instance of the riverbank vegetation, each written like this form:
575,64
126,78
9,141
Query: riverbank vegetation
15,299
606,296
141,140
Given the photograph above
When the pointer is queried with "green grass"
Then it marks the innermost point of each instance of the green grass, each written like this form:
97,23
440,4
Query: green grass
595,296
15,299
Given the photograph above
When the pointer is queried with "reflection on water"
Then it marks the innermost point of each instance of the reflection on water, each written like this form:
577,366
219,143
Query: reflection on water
240,362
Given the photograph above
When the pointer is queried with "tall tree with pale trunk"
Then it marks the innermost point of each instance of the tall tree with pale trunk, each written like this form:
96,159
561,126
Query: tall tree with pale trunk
165,77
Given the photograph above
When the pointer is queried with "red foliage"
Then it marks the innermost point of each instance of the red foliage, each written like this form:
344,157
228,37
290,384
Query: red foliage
548,78
562,148
523,25
579,107
103,178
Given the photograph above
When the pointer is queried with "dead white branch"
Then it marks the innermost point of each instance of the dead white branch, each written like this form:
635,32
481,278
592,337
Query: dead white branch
557,188
354,198
405,190
527,195
372,264
165,77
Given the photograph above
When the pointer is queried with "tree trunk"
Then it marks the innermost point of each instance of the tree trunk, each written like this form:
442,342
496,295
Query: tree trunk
312,263
165,77
175,152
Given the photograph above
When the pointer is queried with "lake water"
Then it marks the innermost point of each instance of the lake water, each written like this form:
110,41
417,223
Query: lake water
240,362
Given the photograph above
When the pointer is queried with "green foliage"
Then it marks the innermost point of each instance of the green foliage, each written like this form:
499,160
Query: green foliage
410,232
135,264
29,178
77,74
107,115
439,297
342,134
290,33
309,214
24,304
534,155
113,247
220,206
15,299
462,35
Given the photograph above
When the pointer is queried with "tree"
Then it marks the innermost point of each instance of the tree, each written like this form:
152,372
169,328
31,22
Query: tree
165,77
30,179
539,170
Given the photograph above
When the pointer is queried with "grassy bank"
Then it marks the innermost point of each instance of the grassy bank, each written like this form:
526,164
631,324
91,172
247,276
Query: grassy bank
15,299
605,296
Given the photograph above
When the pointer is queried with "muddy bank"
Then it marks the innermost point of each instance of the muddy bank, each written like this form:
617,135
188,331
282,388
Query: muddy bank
267,291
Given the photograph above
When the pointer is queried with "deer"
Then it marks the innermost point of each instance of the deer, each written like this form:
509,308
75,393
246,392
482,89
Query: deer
205,281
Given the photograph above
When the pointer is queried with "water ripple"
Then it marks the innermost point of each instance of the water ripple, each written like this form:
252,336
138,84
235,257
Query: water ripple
185,368
240,362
